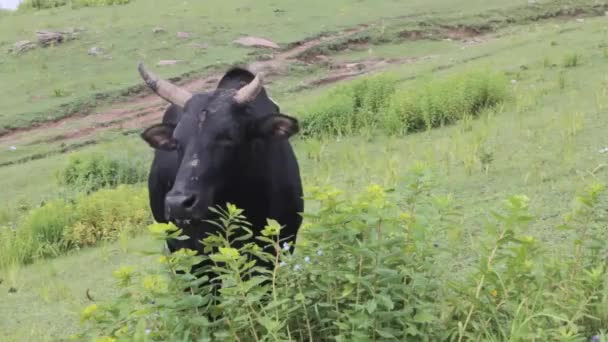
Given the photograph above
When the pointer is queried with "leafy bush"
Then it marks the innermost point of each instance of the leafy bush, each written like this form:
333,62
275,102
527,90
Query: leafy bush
106,214
376,103
443,102
368,266
373,267
59,226
92,171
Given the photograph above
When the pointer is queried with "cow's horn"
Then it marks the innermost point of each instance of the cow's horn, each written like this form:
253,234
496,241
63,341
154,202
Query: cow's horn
250,91
163,88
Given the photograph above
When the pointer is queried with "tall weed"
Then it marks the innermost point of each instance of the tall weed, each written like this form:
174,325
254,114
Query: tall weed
371,267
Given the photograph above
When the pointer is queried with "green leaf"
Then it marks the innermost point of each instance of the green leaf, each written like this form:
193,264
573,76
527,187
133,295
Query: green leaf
424,317
371,305
300,297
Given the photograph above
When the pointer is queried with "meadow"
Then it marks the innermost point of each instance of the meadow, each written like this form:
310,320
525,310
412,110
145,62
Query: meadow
455,187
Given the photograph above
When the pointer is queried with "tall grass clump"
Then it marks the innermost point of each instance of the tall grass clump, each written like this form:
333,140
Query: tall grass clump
106,214
42,4
45,4
97,3
373,266
59,226
38,234
95,170
346,109
377,103
441,102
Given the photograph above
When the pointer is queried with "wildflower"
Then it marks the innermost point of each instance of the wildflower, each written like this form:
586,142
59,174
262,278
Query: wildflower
297,267
105,339
155,283
282,264
494,293
595,338
13,148
89,311
307,259
147,331
285,246
319,252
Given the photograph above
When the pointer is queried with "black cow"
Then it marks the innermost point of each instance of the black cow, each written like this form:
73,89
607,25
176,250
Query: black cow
226,145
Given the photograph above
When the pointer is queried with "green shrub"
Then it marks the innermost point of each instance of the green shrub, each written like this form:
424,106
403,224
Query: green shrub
92,171
107,213
373,267
443,102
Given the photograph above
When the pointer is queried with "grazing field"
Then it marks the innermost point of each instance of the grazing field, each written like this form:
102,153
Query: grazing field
453,155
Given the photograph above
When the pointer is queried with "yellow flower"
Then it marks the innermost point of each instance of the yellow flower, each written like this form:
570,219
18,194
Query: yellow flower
124,275
155,283
494,293
229,252
163,259
105,339
89,311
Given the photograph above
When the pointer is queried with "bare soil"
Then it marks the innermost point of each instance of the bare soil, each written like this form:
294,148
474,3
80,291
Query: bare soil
147,108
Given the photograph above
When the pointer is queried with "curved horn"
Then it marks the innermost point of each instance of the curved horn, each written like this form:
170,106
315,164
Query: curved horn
250,91
163,88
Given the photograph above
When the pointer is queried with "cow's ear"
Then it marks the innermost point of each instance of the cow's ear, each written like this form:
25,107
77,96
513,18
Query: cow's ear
160,136
276,125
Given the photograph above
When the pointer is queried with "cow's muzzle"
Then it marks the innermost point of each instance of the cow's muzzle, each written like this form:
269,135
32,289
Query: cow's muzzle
181,206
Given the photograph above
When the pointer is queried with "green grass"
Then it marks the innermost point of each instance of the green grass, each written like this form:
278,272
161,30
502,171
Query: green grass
544,143
50,296
65,78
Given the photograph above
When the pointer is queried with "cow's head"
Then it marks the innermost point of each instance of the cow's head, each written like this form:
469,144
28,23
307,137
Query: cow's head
215,137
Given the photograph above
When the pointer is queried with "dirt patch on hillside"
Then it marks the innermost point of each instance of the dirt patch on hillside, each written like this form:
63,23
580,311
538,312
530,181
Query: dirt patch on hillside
459,32
143,108
146,107
344,71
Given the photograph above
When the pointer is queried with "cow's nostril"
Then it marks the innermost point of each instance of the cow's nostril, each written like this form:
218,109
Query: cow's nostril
189,202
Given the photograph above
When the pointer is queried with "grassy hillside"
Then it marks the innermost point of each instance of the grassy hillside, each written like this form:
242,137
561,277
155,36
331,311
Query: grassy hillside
49,83
545,142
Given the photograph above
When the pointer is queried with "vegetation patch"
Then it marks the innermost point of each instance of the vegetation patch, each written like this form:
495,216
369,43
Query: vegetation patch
371,267
377,102
92,171
59,226
45,4
442,102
